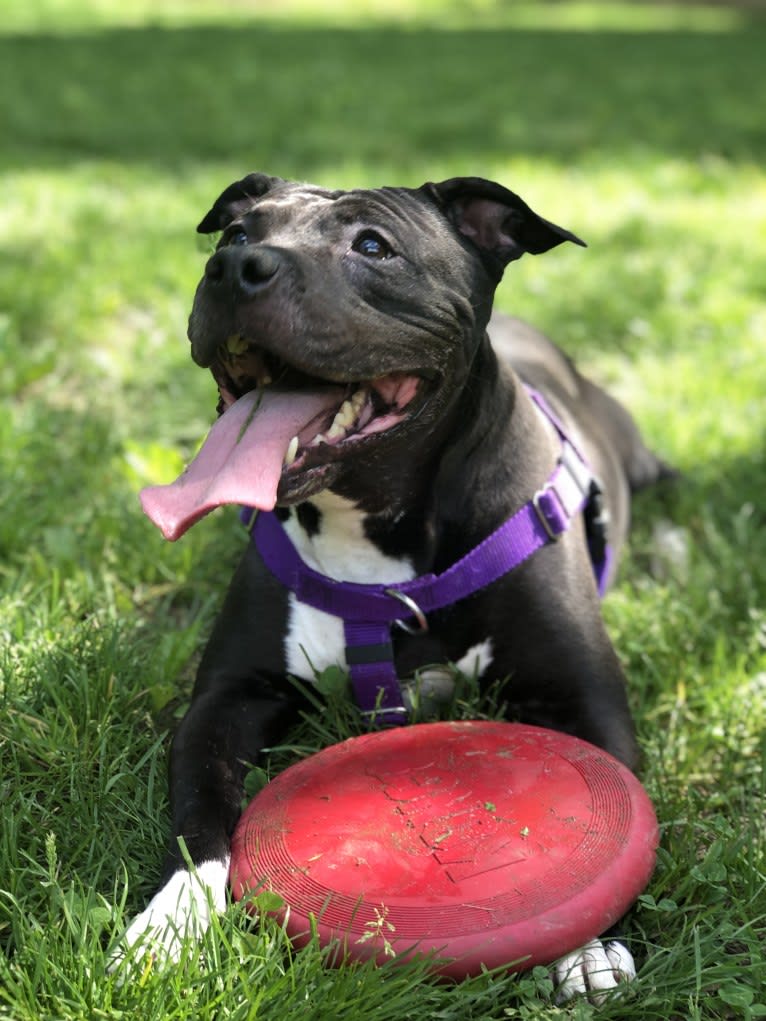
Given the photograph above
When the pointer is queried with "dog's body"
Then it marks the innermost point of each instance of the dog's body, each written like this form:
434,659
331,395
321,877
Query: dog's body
386,295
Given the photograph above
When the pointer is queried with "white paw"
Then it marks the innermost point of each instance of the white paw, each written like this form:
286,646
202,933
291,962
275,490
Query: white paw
180,911
593,970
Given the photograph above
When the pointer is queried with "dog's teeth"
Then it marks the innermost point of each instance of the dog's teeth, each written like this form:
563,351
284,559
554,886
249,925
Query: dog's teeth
336,430
357,400
266,380
292,451
344,418
346,414
236,344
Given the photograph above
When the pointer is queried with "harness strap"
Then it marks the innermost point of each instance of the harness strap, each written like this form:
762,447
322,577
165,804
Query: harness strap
369,611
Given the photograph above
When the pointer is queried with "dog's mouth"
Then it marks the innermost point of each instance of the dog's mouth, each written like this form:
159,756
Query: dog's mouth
281,431
355,411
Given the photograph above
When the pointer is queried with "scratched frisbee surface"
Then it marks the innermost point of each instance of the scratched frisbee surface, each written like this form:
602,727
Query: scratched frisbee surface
481,843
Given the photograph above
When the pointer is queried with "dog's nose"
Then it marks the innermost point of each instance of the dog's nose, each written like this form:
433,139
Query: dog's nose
242,270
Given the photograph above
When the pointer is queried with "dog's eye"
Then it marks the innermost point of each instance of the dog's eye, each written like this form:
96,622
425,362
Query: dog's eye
372,245
233,236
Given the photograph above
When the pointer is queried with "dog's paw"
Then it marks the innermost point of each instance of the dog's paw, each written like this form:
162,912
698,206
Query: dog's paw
180,911
593,970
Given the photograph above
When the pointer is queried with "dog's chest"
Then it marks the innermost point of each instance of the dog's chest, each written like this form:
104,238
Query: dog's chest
339,548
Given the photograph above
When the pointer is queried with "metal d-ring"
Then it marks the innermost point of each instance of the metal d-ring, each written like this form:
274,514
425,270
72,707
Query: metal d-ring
414,609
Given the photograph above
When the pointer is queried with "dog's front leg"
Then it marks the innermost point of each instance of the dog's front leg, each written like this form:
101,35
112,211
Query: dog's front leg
222,734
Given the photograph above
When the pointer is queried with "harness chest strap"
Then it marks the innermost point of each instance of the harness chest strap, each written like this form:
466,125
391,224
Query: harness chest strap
369,611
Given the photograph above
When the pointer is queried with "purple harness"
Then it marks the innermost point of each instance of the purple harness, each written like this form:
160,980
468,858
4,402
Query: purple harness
369,611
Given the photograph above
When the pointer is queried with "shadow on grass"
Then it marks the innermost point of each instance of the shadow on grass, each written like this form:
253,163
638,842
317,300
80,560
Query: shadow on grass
295,100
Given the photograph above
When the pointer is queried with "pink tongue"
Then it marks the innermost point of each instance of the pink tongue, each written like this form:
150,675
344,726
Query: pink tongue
241,459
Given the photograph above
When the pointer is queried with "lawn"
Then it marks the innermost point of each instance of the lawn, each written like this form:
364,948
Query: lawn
638,126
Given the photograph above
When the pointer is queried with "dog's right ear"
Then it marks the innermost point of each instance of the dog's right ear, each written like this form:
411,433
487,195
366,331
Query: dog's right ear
231,203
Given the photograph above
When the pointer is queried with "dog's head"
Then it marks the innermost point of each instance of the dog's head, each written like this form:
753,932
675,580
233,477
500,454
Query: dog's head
341,328
371,301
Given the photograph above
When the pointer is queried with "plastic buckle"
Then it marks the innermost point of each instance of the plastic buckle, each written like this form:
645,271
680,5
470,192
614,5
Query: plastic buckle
578,469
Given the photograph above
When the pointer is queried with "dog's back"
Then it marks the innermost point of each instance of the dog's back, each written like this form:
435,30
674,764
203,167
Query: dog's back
606,430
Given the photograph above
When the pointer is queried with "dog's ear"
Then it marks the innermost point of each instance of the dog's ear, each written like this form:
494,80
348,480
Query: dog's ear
235,200
498,222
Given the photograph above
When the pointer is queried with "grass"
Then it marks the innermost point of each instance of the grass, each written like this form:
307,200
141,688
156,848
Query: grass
638,126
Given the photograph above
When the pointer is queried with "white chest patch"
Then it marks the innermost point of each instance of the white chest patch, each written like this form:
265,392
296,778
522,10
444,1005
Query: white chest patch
314,640
341,550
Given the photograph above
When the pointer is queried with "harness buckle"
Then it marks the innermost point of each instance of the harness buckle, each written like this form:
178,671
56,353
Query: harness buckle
414,609
597,521
564,494
579,470
542,494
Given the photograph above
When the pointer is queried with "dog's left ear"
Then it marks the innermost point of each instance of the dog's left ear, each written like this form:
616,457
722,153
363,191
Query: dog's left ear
236,200
496,220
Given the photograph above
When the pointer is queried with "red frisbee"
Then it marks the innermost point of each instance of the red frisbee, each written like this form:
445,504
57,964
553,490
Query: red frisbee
480,843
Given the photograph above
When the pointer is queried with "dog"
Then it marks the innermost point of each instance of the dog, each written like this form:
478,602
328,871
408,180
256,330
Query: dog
383,437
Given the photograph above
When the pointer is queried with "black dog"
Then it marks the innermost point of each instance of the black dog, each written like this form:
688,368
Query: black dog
363,401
